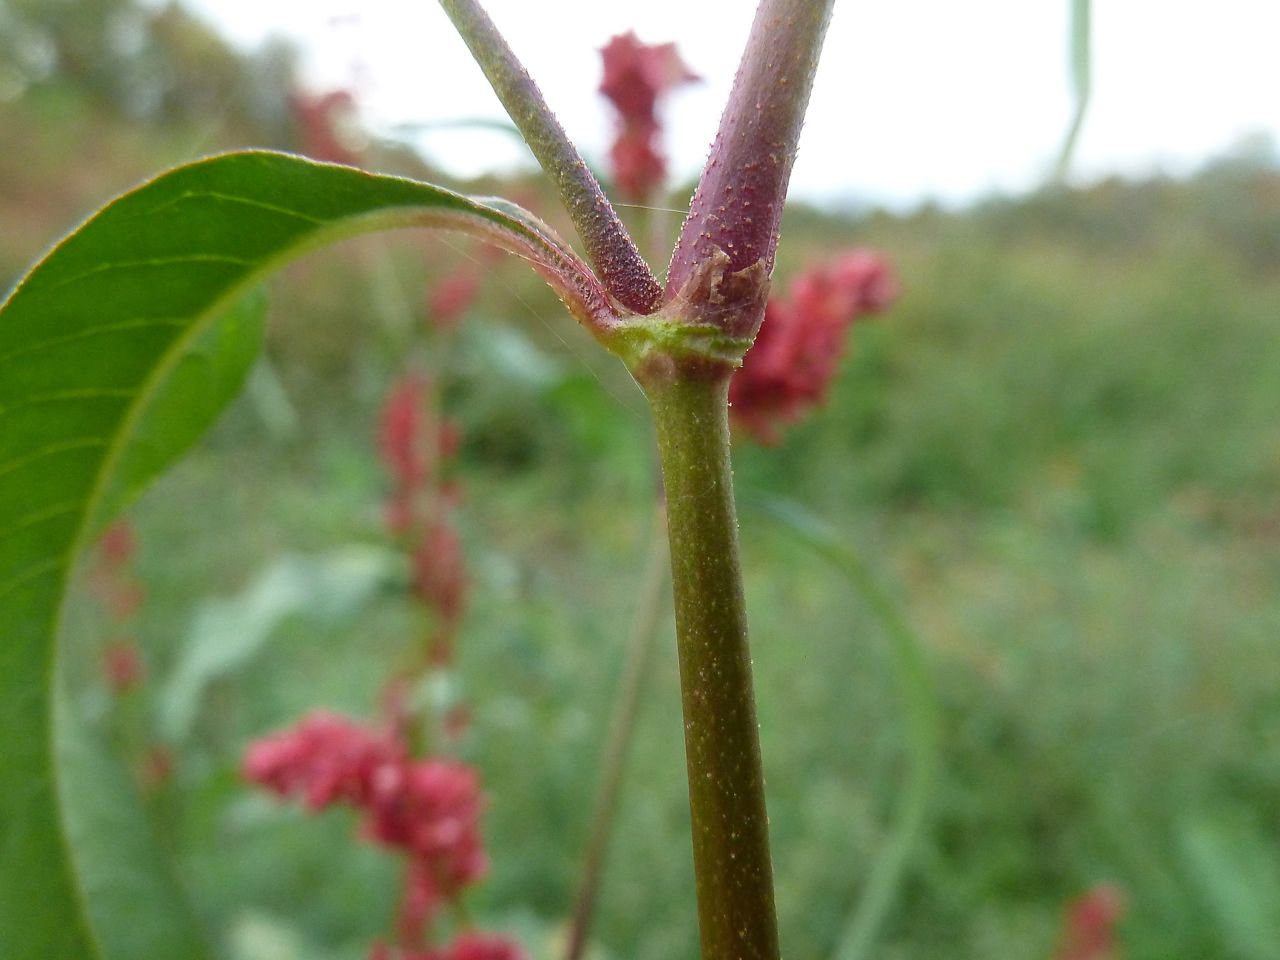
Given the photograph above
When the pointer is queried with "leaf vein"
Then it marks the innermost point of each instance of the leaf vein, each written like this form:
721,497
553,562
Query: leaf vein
184,260
53,449
139,324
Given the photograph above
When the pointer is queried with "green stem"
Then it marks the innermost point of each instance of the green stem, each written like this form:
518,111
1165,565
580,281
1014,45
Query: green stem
732,867
640,644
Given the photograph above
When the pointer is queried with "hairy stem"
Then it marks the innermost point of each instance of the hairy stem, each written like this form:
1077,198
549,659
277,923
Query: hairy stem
736,210
732,866
640,644
609,247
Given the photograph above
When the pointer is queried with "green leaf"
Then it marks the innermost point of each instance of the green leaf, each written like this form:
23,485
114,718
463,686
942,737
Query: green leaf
115,352
229,632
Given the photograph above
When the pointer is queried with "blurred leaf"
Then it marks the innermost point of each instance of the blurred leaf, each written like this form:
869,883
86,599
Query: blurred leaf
270,401
1235,867
134,903
518,359
227,634
1081,79
115,358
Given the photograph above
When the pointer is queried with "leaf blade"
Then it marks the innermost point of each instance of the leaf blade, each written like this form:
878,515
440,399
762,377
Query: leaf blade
92,344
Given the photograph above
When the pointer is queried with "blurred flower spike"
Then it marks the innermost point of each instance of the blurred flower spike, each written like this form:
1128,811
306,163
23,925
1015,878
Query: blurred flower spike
789,368
467,946
429,810
415,446
326,128
1089,922
636,77
451,298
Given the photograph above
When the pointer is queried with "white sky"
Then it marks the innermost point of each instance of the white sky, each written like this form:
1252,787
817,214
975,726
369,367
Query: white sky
914,99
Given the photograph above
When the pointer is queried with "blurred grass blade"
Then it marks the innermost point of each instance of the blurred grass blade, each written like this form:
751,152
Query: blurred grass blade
1232,863
920,705
116,351
1081,80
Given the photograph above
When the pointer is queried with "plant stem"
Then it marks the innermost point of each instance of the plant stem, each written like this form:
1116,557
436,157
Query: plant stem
724,257
732,867
609,247
640,644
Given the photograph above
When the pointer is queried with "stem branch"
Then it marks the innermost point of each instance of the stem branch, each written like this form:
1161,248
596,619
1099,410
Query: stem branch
609,247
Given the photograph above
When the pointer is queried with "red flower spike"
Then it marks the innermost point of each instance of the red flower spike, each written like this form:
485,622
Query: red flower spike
431,810
420,903
321,121
325,759
439,576
484,946
1089,925
123,666
636,76
451,298
118,545
794,358
156,768
400,429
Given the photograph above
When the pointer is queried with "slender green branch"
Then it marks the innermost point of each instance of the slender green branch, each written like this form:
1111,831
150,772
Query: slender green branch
640,644
732,866
610,248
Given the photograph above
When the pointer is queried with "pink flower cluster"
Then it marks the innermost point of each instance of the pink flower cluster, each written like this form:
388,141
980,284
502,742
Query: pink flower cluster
636,76
415,447
427,809
789,368
466,946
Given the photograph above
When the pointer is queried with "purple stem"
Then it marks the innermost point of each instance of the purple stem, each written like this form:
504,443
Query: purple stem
722,263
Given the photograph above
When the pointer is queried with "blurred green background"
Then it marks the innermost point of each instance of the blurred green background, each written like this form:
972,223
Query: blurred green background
1058,452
